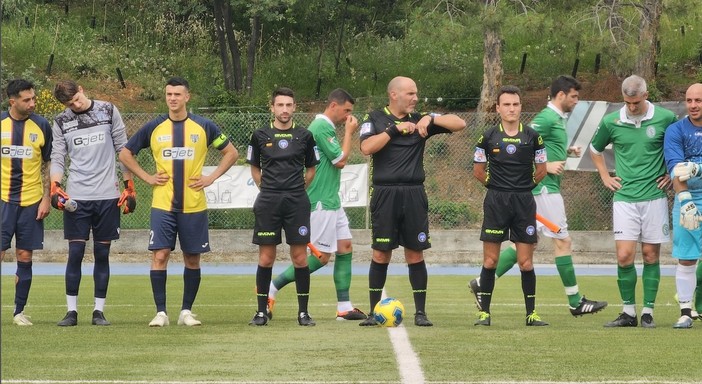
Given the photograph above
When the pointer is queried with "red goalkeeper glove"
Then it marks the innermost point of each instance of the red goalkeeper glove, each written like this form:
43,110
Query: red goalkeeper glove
59,197
128,199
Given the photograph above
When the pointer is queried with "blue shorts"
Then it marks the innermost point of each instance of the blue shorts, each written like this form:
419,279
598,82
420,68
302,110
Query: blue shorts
190,228
687,244
21,222
102,216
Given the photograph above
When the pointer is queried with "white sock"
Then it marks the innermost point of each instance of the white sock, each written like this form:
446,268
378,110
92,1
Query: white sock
344,306
272,291
685,282
630,309
647,310
99,304
72,303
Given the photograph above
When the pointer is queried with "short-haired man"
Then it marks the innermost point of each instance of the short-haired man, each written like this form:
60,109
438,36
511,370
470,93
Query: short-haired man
26,154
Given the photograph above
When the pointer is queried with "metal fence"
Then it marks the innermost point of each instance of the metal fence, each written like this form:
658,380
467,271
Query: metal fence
455,197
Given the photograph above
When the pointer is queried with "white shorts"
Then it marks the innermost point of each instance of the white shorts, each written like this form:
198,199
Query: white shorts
327,227
645,221
550,206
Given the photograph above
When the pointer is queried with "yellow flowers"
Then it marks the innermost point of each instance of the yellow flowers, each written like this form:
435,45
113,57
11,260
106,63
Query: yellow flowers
47,105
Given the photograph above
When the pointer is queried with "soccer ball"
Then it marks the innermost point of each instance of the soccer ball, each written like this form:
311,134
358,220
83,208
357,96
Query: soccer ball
388,312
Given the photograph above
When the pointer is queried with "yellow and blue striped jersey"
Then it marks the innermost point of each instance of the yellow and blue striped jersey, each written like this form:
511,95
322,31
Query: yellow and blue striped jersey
179,149
26,144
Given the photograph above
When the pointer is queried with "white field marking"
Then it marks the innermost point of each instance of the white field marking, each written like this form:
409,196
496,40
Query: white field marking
20,381
407,360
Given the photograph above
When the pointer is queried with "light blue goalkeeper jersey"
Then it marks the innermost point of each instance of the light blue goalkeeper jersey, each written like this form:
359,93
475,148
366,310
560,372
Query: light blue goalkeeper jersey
91,139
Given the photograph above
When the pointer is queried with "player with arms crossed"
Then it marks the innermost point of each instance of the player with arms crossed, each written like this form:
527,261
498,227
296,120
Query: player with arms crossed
89,133
329,226
550,123
510,160
683,156
26,150
179,143
640,207
283,157
395,137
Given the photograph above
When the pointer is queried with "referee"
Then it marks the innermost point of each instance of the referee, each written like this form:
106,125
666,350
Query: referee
510,160
395,137
278,153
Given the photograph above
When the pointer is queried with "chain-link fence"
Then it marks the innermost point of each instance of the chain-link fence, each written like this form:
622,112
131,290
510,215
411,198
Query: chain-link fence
455,197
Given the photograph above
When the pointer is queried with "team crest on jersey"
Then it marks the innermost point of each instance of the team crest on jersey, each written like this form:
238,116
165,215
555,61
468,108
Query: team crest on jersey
650,132
511,149
194,137
422,237
479,156
303,231
33,137
283,144
530,230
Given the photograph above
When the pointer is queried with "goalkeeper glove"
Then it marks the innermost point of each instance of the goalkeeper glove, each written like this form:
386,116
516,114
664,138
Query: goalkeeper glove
689,215
60,199
685,171
128,198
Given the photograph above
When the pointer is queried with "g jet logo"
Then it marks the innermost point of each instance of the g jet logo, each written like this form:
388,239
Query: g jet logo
178,153
17,152
89,139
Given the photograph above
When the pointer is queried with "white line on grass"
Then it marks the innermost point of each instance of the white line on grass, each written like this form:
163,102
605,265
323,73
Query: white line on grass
335,382
407,360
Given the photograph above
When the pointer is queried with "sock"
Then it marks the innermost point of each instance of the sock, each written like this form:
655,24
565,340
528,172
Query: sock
288,275
191,284
23,281
101,272
76,251
651,277
99,304
158,287
72,303
376,281
698,290
508,257
626,279
342,277
418,280
529,290
302,284
564,265
685,284
487,285
263,280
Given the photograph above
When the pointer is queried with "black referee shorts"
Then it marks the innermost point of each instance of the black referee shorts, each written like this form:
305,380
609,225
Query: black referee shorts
509,213
276,210
399,217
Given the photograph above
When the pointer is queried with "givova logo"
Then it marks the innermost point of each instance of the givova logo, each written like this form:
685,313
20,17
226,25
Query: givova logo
89,139
17,152
178,153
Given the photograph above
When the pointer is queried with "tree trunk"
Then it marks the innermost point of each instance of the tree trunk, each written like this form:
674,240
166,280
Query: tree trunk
342,25
492,64
645,63
222,44
233,45
251,53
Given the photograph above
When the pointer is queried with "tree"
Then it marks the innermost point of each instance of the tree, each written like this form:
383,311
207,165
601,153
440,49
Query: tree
645,65
492,58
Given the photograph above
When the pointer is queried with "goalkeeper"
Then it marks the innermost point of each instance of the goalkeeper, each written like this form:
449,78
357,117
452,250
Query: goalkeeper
89,133
683,155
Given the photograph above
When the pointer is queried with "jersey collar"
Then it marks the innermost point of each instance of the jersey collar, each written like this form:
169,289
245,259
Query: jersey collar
274,127
325,117
625,119
558,111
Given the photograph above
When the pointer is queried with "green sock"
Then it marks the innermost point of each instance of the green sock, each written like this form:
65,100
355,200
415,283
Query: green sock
651,277
698,290
288,275
564,264
508,257
627,283
342,276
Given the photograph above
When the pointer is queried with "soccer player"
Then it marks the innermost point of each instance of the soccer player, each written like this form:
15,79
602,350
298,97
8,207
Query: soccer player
26,150
550,123
179,143
283,157
329,230
683,156
510,160
640,207
89,133
395,137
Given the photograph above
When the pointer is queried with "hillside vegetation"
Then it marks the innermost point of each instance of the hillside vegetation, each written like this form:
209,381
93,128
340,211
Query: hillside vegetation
316,45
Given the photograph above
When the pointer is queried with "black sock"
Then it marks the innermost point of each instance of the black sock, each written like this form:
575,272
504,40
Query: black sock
529,289
487,285
418,278
376,281
101,271
191,284
302,284
158,287
263,284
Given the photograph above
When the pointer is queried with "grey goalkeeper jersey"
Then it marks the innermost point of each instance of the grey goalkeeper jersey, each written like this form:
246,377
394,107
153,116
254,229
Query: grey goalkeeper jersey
91,139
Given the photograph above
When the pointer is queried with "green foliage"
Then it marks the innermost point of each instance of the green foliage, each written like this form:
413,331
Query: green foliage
450,214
